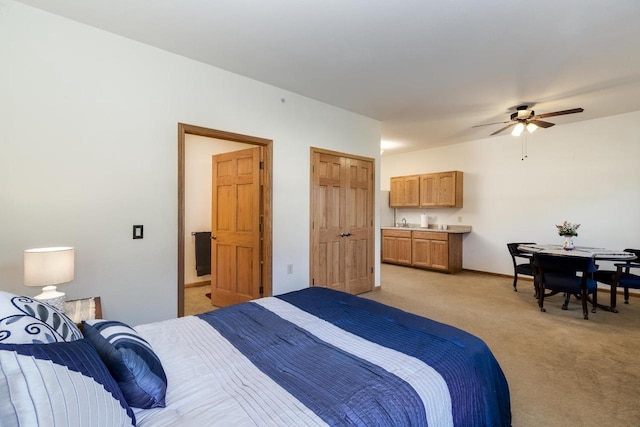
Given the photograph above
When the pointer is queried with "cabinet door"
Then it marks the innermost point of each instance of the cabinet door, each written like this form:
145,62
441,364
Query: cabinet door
421,252
396,246
447,189
439,251
443,189
429,190
389,249
404,250
396,193
405,191
412,191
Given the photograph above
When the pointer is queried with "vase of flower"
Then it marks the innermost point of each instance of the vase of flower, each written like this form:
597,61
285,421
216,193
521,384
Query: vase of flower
568,231
567,244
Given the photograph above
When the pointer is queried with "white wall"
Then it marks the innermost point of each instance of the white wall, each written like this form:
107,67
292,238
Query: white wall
89,148
586,172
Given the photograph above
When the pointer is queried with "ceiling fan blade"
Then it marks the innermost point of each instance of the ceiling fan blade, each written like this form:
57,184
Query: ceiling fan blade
503,129
541,124
488,124
559,113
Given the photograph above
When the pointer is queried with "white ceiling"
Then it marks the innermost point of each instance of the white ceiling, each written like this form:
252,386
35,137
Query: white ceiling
429,70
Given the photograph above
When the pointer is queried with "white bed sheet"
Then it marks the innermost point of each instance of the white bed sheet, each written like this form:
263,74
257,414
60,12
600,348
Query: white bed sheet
211,383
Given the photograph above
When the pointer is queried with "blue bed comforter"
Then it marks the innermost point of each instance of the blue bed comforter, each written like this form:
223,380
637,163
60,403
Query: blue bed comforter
353,361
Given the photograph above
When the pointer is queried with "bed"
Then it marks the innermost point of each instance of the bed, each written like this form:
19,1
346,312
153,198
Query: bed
319,357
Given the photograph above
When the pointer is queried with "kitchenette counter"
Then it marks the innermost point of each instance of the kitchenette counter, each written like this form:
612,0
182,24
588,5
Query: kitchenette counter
424,247
451,229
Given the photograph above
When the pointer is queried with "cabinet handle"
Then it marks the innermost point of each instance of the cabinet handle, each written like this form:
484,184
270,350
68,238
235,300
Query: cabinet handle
214,237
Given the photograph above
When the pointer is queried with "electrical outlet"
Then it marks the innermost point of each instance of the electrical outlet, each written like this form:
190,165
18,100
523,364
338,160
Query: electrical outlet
459,219
289,268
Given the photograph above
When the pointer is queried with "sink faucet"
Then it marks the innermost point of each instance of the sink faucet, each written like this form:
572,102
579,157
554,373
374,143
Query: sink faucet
404,222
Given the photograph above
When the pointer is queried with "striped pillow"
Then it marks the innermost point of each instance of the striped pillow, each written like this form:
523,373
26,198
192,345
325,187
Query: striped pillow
59,384
131,360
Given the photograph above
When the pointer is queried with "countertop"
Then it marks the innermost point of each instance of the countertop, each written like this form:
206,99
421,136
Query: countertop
451,229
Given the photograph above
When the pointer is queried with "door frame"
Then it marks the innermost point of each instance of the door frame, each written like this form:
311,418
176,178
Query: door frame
184,129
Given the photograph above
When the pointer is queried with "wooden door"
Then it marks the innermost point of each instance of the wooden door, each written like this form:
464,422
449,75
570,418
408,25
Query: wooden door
235,227
342,239
358,213
328,247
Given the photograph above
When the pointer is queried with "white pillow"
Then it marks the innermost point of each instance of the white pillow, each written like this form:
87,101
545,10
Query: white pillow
59,384
24,320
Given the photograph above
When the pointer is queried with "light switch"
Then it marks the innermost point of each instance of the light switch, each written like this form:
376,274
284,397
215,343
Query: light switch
138,231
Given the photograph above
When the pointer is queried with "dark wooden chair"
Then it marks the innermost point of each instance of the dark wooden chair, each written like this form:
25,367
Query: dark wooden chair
520,268
558,273
622,277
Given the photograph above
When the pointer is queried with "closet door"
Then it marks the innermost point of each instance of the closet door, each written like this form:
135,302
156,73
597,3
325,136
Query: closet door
342,238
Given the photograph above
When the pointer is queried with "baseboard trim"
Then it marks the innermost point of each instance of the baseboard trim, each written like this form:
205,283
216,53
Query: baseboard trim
601,288
197,284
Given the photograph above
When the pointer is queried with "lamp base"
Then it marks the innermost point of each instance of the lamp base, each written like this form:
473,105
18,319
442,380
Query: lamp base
52,297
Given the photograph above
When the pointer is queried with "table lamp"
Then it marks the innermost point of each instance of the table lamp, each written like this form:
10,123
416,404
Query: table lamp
49,267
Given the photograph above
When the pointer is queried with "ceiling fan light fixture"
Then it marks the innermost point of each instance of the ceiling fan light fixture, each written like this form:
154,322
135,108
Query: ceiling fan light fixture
531,127
517,130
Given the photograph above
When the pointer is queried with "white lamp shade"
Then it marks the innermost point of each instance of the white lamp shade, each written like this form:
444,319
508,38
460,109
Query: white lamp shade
48,266
517,130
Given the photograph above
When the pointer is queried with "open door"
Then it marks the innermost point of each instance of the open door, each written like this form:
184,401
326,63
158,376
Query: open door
236,227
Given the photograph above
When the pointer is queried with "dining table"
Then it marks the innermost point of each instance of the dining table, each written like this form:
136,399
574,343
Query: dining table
601,254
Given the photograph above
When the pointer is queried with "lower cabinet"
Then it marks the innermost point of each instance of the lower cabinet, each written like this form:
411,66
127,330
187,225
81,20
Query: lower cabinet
427,249
396,246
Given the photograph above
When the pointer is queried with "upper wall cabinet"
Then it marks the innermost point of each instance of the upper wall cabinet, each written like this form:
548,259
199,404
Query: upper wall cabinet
432,190
405,191
441,190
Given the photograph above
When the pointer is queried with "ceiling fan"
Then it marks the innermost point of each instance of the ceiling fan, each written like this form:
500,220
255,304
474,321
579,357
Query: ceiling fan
525,118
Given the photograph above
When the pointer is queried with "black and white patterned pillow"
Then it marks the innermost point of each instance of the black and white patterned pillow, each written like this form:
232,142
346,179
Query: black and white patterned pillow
24,320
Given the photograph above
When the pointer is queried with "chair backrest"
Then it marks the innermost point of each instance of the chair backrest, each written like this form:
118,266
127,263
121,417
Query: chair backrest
564,264
513,248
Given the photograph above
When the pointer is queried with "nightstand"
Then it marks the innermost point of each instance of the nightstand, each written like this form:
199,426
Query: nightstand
83,309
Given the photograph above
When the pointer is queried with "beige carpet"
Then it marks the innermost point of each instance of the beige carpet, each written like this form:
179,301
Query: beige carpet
562,370
196,300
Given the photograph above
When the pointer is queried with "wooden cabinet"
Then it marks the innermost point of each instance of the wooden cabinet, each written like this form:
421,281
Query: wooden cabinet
396,246
405,191
438,251
431,190
441,190
426,249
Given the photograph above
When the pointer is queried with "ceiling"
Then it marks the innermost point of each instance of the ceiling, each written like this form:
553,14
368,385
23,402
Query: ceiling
428,70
